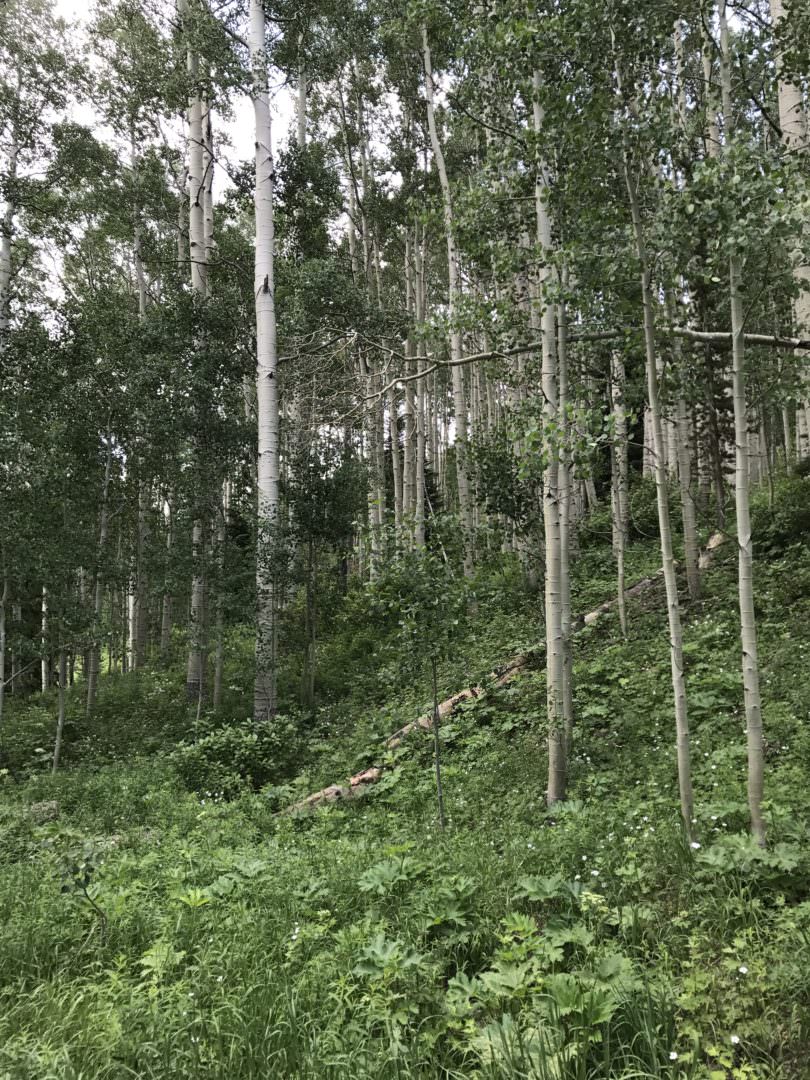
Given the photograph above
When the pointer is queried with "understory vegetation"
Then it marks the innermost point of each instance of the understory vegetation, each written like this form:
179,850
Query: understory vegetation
161,915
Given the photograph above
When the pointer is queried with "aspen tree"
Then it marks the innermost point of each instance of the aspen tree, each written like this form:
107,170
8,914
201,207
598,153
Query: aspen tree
454,295
420,298
619,473
681,453
795,135
393,437
544,310
219,635
60,720
564,488
198,251
748,629
168,599
6,234
45,667
98,586
662,497
264,698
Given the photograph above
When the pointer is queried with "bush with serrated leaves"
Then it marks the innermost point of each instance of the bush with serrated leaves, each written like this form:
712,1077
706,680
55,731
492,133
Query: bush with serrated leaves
240,755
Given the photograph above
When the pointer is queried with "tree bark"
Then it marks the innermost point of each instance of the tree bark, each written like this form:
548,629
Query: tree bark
6,236
168,599
94,656
219,633
748,629
662,498
264,696
543,311
619,473
454,295
60,719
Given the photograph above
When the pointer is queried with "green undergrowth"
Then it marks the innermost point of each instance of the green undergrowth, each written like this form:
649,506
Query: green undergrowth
161,929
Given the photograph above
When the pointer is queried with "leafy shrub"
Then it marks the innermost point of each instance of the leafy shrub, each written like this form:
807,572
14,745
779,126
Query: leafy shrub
27,737
226,759
787,521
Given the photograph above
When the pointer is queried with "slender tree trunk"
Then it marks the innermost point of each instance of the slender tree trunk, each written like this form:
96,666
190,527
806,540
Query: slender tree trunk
44,664
564,486
393,433
409,412
688,508
264,703
301,101
308,678
683,461
420,300
544,313
454,295
664,526
6,235
748,628
198,184
98,588
219,648
168,599
60,719
437,746
141,627
196,616
619,473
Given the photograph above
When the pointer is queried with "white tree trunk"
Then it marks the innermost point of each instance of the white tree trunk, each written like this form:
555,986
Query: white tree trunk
221,539
264,698
619,471
168,599
6,234
393,435
454,294
60,719
664,526
688,508
544,313
748,628
94,656
564,487
44,665
421,394
200,171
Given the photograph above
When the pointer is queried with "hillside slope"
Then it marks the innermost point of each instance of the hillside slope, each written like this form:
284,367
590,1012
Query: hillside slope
152,930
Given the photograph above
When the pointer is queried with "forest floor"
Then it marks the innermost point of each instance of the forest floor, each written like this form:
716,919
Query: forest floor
163,922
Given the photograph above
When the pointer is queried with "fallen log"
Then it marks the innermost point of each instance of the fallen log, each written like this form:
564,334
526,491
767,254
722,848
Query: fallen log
504,674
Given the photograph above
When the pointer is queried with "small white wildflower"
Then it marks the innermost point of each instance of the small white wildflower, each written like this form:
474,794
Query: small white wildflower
743,970
673,1056
695,846
735,1039
594,873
